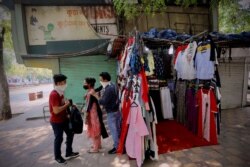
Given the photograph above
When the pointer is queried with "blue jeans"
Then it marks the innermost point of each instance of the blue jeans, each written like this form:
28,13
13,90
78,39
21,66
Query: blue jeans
114,123
58,129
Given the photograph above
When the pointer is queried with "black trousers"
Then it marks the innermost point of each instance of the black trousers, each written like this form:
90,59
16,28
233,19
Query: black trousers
58,129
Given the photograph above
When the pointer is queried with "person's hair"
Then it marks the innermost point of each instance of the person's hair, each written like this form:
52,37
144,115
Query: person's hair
90,81
59,78
105,76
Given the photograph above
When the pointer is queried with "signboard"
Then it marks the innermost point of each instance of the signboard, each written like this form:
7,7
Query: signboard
60,23
102,19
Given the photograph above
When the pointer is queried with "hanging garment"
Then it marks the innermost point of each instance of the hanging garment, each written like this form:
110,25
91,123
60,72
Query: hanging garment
136,132
126,64
192,114
166,103
151,64
206,121
135,61
185,63
167,61
124,127
155,94
180,97
203,65
152,147
144,89
159,67
178,50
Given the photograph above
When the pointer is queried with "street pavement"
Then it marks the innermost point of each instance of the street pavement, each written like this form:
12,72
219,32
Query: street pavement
26,143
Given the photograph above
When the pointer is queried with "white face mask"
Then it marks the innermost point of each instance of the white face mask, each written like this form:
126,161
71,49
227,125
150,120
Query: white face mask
104,84
60,88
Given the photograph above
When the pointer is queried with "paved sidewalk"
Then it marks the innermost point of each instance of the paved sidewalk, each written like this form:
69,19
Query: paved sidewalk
30,143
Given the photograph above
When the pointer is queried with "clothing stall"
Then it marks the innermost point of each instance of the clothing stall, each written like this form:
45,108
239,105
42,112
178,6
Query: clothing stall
170,93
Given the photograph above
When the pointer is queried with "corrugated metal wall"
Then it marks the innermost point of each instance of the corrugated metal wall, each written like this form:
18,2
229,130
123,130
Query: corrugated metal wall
77,68
232,80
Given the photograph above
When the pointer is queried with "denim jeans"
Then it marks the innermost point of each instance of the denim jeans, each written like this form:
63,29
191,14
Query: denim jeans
58,129
114,123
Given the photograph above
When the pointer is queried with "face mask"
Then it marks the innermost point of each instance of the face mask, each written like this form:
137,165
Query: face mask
85,87
60,88
104,84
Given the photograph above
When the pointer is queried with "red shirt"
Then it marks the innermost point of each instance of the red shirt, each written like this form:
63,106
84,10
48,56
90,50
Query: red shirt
56,100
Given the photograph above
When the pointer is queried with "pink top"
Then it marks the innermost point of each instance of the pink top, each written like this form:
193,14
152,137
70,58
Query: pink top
137,129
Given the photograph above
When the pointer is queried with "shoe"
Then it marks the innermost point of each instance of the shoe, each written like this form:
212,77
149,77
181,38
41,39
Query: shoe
61,160
113,151
73,154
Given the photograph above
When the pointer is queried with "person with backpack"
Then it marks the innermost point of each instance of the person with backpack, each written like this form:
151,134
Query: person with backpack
93,117
59,119
110,101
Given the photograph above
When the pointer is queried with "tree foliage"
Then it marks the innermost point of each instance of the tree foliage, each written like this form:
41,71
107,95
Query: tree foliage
132,8
5,110
11,67
234,18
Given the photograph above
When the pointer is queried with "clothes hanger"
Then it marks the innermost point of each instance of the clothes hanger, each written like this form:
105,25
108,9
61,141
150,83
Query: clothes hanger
134,104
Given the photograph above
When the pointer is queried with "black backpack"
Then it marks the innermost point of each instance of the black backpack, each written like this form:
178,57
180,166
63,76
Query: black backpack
76,121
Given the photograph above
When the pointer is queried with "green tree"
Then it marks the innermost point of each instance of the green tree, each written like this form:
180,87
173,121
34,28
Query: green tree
132,8
234,18
8,52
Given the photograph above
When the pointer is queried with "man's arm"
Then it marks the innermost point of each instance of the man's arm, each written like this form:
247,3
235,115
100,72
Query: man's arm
107,96
58,109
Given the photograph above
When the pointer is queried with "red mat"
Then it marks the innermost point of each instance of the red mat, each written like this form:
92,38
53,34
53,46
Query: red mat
172,136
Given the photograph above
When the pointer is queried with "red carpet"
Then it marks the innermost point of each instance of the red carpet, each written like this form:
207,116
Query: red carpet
172,136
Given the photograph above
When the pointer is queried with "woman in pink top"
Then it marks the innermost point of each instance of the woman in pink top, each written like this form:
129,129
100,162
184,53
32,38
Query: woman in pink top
92,120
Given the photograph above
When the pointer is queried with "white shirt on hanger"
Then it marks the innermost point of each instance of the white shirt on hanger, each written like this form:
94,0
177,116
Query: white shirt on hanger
185,62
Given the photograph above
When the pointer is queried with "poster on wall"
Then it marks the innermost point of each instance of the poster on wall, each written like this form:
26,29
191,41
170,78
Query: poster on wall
60,23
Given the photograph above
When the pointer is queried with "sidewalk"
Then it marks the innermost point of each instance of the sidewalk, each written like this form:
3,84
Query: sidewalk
30,143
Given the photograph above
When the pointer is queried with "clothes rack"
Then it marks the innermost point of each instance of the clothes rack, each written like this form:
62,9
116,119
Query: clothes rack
195,36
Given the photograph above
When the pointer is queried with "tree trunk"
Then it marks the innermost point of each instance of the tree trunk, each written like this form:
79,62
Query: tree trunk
5,110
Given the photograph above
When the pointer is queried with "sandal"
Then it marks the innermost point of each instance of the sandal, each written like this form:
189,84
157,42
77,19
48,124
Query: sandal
93,151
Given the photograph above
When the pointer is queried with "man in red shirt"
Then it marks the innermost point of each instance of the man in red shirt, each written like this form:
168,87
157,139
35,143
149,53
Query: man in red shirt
59,118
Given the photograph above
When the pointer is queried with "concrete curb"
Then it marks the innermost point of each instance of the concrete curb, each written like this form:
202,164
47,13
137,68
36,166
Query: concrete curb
35,118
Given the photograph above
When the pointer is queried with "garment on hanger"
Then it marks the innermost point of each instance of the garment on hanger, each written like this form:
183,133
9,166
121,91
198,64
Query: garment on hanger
151,64
144,89
126,67
181,107
185,63
206,121
126,103
178,50
135,62
192,114
203,65
136,132
159,67
166,103
167,62
155,94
